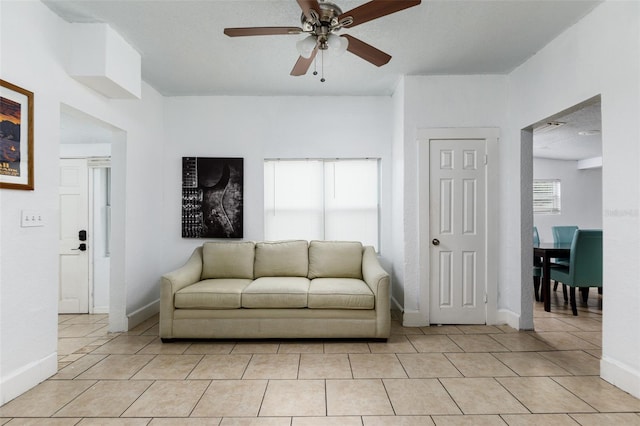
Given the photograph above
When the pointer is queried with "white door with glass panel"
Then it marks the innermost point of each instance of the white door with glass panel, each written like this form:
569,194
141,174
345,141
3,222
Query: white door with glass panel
457,185
74,219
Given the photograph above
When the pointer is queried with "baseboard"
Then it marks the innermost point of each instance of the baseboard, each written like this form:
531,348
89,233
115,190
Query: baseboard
27,377
620,375
395,306
100,310
139,316
508,317
414,319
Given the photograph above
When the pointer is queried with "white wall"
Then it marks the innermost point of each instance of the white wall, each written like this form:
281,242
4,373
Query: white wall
397,199
581,192
433,102
256,128
33,50
600,55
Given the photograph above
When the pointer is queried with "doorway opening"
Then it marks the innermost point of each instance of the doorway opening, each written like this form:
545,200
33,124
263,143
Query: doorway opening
566,150
101,148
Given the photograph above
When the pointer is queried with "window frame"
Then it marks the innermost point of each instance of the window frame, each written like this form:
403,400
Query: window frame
325,162
547,201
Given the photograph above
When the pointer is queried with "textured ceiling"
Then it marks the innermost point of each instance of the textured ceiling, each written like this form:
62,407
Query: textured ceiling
579,137
184,50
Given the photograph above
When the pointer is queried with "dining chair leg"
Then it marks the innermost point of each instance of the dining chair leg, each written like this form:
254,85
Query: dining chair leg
564,293
584,292
536,288
555,285
574,308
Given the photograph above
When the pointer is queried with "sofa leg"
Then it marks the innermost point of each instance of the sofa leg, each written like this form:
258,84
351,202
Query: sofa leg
564,294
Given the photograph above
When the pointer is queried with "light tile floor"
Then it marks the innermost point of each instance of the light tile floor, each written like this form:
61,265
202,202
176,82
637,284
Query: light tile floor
447,375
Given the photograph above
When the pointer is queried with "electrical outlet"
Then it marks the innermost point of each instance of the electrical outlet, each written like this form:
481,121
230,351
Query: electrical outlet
31,218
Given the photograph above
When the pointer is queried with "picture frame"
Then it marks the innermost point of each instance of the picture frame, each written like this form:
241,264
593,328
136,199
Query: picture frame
16,137
212,197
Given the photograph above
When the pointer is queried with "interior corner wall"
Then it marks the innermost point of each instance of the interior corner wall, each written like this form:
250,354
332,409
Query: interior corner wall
33,50
397,198
600,55
581,196
437,102
259,127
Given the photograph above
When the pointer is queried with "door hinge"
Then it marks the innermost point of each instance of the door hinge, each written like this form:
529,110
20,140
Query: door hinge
486,159
485,298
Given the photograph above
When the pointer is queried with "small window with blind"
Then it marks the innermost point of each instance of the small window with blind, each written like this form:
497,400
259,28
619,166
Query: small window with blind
322,199
546,196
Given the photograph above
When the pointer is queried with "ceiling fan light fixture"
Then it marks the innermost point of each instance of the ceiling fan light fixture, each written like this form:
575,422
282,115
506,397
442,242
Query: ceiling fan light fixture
337,43
306,45
589,132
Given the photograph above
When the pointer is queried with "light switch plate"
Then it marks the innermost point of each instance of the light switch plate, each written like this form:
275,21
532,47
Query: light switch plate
31,218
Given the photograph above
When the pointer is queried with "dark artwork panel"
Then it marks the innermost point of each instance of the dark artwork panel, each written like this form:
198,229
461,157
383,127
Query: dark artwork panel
212,197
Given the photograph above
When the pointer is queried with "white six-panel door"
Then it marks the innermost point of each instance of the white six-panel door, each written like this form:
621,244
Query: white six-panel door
74,217
457,185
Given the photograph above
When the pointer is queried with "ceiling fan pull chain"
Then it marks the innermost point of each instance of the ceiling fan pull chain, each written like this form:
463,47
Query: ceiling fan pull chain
322,66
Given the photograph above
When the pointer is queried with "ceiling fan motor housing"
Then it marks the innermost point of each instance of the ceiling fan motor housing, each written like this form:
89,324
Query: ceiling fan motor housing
323,22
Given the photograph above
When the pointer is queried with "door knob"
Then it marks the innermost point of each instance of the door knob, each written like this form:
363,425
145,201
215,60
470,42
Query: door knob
435,242
82,247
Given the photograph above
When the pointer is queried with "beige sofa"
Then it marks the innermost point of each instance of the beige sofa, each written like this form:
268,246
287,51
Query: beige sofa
280,289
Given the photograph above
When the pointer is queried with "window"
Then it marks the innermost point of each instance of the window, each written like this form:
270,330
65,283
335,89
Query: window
321,200
546,196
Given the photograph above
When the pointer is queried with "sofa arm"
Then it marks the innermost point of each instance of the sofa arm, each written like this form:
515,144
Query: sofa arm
378,280
373,274
187,274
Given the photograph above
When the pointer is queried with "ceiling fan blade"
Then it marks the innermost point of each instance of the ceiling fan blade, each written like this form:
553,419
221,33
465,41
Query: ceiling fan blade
302,64
366,51
376,9
259,31
307,6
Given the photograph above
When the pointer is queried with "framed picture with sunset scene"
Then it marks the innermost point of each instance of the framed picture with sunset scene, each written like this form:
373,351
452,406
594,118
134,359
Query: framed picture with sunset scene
16,137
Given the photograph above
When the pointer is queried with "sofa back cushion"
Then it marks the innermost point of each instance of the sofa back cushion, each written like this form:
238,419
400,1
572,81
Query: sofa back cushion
282,259
335,259
228,259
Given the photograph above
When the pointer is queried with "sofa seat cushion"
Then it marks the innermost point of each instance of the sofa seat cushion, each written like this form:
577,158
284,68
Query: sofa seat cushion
340,293
335,259
282,259
276,292
224,293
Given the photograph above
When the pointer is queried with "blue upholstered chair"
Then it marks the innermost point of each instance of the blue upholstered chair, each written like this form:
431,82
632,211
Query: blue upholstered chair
562,234
537,267
585,264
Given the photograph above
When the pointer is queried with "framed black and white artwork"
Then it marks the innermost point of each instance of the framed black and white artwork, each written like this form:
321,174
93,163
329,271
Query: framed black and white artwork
212,197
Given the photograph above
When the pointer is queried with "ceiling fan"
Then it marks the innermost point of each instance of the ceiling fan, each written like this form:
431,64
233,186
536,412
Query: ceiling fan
321,20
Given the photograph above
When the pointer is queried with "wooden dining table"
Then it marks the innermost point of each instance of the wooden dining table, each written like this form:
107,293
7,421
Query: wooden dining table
545,252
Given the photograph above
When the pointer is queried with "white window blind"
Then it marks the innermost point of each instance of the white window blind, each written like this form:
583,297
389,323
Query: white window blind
546,196
322,200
